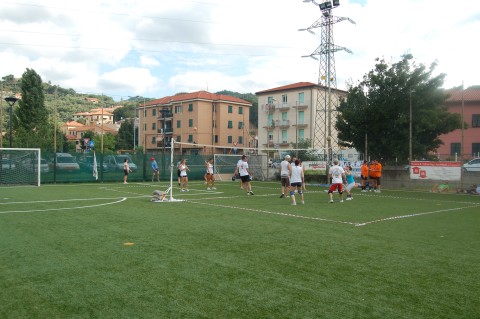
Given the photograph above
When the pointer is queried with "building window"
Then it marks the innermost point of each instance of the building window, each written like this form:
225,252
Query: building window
190,107
270,100
270,136
475,120
240,125
284,136
190,123
154,126
301,134
179,138
154,139
240,140
455,149
214,123
179,123
216,138
240,110
178,109
476,149
230,124
214,108
230,109
229,139
154,112
301,98
284,117
301,117
190,138
284,99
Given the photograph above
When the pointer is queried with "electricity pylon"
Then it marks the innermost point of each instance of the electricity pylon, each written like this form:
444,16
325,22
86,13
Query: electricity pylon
327,95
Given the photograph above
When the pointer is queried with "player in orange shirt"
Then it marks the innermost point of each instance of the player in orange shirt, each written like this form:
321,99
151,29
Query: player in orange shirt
376,174
364,175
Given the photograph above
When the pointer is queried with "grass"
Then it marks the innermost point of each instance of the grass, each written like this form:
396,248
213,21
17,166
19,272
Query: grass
106,251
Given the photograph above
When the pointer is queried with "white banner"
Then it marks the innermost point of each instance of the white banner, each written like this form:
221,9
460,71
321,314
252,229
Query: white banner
440,171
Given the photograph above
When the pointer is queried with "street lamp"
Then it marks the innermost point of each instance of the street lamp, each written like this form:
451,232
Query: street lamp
410,131
11,101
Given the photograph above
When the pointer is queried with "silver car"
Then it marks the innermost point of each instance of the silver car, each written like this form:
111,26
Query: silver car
472,165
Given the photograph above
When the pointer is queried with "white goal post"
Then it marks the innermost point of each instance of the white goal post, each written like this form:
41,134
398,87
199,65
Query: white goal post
21,166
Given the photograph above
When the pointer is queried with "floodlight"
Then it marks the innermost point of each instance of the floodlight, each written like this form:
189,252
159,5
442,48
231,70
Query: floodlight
336,3
322,6
328,4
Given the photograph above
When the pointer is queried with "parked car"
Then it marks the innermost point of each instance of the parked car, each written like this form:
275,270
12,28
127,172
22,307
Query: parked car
115,162
31,165
86,163
472,165
7,165
66,162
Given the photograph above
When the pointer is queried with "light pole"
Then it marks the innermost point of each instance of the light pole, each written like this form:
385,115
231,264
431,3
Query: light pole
11,101
296,129
410,131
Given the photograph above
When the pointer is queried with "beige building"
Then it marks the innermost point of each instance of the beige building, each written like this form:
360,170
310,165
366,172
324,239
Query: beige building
199,118
286,116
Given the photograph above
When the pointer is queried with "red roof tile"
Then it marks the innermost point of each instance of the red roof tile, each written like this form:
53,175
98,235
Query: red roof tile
200,95
472,95
289,87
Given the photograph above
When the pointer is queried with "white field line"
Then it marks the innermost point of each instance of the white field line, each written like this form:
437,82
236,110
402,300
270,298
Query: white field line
413,215
64,208
272,213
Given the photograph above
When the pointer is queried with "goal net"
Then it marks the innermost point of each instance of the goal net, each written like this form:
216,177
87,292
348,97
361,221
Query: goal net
21,166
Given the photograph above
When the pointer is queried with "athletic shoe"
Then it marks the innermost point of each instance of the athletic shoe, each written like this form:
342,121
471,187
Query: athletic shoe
341,201
208,188
182,190
251,193
331,201
282,196
349,198
294,204
213,188
125,182
187,190
378,191
303,202
248,194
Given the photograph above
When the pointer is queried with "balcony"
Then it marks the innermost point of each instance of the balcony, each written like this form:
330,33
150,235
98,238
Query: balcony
168,131
301,125
301,107
270,125
269,108
284,107
284,123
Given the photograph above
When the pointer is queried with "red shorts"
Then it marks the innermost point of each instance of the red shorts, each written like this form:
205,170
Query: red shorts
336,186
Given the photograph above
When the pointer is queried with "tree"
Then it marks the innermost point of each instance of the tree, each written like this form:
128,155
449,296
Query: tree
108,143
124,139
379,108
31,119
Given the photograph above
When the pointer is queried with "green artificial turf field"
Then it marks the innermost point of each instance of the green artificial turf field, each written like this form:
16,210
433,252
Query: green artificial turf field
107,251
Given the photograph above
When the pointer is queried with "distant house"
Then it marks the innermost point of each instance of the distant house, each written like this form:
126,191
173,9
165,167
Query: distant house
91,99
75,131
469,101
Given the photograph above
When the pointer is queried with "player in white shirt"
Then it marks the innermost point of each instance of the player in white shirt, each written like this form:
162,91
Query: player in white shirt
209,175
337,174
242,169
285,175
296,178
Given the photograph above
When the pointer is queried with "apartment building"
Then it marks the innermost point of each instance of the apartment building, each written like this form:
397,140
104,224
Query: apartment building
466,102
200,118
286,116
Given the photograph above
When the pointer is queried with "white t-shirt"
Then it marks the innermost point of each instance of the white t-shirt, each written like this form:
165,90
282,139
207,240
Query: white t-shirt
183,170
296,174
284,172
210,168
242,168
336,172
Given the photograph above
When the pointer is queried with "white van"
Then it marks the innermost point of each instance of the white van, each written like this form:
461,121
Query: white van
66,162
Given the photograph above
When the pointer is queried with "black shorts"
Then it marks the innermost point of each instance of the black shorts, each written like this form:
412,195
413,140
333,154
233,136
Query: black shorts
245,178
178,173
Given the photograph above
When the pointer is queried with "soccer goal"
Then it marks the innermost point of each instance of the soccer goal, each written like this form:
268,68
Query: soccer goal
21,166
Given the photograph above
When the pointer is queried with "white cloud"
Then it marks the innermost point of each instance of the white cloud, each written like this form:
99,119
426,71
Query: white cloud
157,49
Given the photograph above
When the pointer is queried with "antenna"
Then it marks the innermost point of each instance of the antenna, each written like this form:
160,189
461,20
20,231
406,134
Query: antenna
327,94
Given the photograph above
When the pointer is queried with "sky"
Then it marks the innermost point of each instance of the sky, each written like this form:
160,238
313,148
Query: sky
124,48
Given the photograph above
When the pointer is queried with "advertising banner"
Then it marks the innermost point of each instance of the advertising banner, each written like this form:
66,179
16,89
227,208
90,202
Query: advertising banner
440,171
